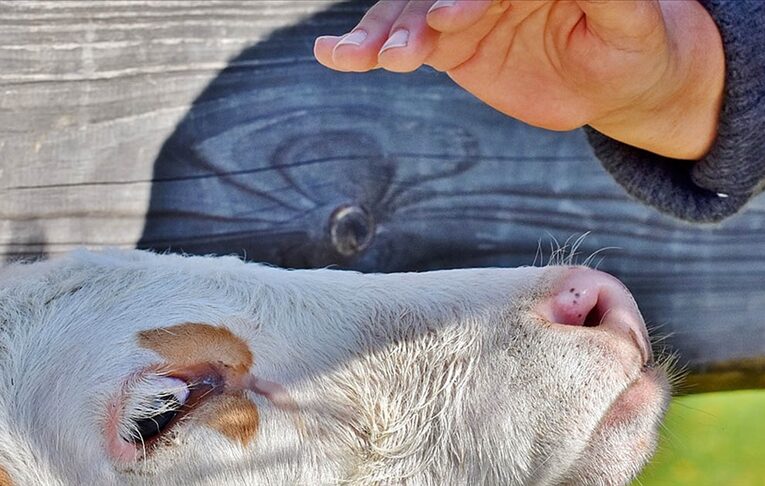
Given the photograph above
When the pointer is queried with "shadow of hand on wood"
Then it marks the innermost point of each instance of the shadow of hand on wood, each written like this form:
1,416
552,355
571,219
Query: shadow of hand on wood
276,146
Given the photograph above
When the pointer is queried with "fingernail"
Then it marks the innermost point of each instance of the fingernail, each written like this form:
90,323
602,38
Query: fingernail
397,39
442,4
355,38
325,37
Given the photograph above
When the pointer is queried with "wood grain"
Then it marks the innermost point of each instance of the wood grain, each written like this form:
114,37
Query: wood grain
207,127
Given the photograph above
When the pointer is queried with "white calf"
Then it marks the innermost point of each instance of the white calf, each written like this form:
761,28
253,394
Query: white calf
135,368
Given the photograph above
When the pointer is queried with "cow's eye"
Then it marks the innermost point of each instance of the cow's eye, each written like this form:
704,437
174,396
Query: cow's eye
149,427
163,399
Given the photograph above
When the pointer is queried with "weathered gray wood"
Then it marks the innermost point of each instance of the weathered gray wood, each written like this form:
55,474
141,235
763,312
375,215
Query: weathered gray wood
115,114
89,91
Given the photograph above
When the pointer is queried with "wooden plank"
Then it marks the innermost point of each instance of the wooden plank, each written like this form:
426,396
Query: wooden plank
116,115
89,91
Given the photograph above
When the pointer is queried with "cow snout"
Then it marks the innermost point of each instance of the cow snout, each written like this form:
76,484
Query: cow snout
594,299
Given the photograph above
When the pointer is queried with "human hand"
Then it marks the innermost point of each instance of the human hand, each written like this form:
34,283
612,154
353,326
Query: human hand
649,73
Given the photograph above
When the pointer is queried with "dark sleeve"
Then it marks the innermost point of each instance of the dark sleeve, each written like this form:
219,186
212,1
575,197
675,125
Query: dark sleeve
718,185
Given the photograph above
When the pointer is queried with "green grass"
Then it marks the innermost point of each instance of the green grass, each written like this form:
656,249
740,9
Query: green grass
715,439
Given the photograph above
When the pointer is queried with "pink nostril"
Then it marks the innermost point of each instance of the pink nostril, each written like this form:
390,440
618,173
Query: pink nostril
575,306
590,298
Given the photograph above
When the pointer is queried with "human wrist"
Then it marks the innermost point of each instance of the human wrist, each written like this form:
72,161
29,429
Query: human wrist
678,117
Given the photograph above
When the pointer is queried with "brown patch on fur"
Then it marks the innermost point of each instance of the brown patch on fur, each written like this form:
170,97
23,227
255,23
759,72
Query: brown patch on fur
233,415
213,355
5,478
190,343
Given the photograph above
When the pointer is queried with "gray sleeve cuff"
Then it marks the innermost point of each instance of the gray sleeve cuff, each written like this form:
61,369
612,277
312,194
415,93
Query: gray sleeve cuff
732,173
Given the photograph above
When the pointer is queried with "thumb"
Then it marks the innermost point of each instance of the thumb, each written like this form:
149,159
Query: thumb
619,20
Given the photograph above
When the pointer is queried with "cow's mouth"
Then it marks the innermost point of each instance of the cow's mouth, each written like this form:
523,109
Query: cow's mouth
626,435
651,386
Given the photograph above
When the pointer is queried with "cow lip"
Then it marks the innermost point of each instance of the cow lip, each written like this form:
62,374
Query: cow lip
652,382
646,395
628,402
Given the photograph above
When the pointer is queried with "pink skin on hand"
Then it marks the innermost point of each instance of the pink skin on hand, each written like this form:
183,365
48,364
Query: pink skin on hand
646,72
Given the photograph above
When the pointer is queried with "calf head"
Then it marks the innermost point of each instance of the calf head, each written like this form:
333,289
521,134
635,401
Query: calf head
136,368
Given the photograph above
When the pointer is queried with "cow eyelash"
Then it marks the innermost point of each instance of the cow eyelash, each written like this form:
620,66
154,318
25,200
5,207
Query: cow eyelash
162,402
145,429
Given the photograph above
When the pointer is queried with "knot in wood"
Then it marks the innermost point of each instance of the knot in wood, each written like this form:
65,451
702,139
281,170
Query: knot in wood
351,229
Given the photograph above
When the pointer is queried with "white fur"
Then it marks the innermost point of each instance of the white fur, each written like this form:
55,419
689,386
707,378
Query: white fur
435,378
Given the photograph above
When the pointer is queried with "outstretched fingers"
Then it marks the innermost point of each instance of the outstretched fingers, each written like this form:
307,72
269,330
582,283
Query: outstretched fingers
358,50
401,36
458,15
411,40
